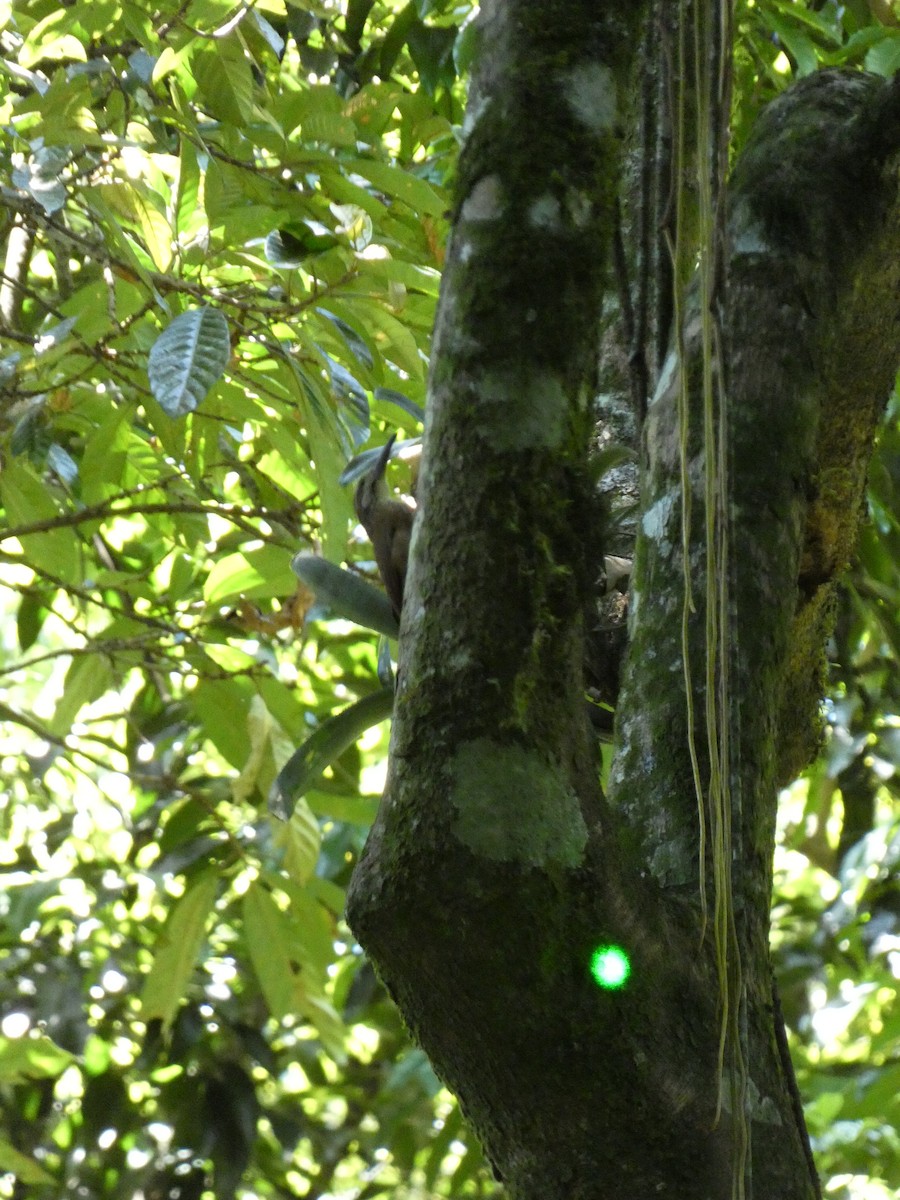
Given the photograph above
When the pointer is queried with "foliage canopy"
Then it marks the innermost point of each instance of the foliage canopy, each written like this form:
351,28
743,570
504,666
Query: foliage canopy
223,230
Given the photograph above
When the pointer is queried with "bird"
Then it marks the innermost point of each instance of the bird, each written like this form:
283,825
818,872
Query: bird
388,522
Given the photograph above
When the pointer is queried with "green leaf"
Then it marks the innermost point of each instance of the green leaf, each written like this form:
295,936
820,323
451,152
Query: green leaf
27,501
796,42
396,37
105,455
272,38
301,839
273,952
177,950
143,212
346,595
255,574
328,1025
291,953
287,955
23,1167
345,387
177,62
87,679
31,1057
355,342
225,81
221,706
189,215
357,15
884,57
407,406
269,749
33,611
187,358
328,458
395,341
830,29
134,260
155,231
355,810
49,39
325,746
431,48
467,46
394,181
328,129
414,276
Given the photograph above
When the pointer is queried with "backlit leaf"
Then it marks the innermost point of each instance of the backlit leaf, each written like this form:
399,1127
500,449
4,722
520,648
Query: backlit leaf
177,949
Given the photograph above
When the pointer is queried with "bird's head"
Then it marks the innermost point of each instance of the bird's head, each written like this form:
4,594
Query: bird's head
372,489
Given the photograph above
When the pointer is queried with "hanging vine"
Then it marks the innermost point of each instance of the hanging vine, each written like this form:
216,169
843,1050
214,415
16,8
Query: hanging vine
700,102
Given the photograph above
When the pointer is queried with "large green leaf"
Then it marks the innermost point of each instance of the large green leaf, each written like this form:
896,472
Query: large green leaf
325,746
187,358
345,594
222,72
301,839
264,571
28,502
285,970
177,950
274,952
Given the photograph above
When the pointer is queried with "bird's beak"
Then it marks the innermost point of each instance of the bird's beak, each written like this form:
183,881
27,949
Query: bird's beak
384,458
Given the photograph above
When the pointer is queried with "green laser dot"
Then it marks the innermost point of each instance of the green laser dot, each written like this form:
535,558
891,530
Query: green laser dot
610,967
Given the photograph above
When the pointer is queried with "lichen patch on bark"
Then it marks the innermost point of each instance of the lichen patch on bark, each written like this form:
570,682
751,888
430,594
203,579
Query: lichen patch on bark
514,806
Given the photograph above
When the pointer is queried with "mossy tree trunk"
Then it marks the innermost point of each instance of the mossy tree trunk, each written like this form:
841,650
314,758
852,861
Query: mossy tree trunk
496,866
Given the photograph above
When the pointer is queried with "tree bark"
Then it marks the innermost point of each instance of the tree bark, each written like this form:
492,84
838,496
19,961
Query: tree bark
496,866
813,341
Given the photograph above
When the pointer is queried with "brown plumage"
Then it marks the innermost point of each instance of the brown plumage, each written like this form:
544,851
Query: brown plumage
388,522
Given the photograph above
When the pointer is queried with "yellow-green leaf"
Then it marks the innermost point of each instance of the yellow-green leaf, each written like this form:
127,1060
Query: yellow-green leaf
273,952
28,501
177,950
302,839
46,41
255,573
25,1168
31,1057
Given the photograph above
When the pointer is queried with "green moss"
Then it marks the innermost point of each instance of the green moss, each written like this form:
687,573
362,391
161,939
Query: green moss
512,805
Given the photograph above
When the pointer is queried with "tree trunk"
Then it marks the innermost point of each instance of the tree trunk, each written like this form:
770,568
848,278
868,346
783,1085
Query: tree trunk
496,867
